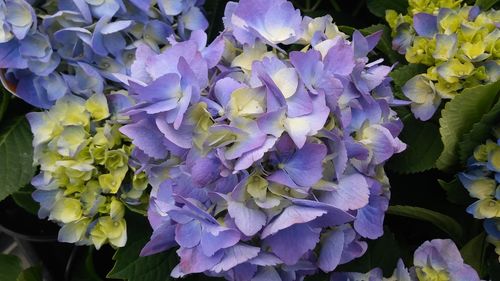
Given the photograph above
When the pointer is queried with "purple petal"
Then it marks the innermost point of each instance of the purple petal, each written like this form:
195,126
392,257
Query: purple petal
331,251
425,25
188,235
291,216
221,238
249,221
292,243
161,240
146,137
234,256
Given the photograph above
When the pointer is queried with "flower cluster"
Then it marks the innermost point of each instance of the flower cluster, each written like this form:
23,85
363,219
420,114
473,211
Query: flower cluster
265,164
436,260
85,179
460,46
80,46
482,180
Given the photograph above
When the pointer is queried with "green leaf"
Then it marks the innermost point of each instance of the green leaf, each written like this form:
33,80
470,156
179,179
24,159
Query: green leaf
458,117
424,147
10,267
31,274
378,7
486,4
404,73
16,156
84,269
455,192
480,132
441,221
128,264
24,200
474,253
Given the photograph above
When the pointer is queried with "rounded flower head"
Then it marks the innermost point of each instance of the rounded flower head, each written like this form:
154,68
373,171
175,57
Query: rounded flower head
265,164
84,46
482,181
458,44
85,178
435,260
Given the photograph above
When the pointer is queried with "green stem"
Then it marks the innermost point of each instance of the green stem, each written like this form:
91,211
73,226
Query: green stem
4,102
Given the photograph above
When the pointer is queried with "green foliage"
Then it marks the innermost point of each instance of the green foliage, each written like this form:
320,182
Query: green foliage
486,4
84,268
10,267
459,116
480,132
16,156
441,221
31,274
474,253
378,7
24,200
455,192
424,147
11,270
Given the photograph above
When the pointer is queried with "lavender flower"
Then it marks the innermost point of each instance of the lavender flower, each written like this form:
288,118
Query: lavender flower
437,259
82,46
265,165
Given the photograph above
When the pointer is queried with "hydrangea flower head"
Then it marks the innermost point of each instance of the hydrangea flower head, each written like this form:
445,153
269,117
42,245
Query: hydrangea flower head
265,164
81,46
482,181
457,43
85,179
435,260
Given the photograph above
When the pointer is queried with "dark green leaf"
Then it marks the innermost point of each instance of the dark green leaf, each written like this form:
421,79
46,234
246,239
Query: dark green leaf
441,221
458,117
10,267
31,274
16,156
424,147
84,269
378,7
130,266
404,73
480,132
455,192
486,4
24,200
474,253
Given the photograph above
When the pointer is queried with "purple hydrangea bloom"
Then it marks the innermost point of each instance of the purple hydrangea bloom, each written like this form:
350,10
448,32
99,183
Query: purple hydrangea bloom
481,179
263,166
438,259
86,45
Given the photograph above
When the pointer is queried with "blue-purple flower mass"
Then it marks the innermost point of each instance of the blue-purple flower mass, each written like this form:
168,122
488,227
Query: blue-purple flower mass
265,164
254,137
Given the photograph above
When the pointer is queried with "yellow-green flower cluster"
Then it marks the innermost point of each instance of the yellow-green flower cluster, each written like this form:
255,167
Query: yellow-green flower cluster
459,44
419,6
482,180
85,178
